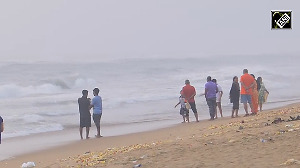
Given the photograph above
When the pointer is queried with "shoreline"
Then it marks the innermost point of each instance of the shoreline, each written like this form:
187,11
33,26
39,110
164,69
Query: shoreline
14,146
77,147
49,140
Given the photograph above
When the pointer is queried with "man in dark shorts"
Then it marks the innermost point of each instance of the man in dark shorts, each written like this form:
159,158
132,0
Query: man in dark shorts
85,115
189,93
1,127
211,91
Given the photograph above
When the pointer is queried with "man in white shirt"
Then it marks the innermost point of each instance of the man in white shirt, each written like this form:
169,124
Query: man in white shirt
97,110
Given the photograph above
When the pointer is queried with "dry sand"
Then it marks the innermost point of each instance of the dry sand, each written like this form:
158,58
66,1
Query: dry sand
252,141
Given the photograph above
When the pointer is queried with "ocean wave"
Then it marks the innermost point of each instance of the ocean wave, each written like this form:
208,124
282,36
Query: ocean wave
59,114
33,130
14,90
146,98
32,118
45,87
83,82
57,82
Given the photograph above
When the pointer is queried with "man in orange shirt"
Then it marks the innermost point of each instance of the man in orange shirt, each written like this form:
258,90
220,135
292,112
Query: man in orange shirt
247,82
189,93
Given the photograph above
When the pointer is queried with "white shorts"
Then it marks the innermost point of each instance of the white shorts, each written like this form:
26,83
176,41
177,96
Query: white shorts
218,100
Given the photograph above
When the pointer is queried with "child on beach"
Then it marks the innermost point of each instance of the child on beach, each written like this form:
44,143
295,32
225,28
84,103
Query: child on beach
262,92
1,127
183,108
218,100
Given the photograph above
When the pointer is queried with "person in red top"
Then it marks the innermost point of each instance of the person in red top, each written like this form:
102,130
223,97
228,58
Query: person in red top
189,93
247,82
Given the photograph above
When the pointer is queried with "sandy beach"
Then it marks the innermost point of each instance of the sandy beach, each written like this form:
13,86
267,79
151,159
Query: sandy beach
142,55
255,141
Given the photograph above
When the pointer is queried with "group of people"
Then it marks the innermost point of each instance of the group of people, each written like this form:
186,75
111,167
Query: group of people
252,92
85,104
187,101
213,94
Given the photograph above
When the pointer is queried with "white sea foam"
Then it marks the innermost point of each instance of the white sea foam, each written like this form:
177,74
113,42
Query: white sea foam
14,90
82,82
34,129
32,118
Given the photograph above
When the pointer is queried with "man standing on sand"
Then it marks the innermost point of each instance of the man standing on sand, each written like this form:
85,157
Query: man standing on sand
85,115
247,82
211,90
189,93
97,110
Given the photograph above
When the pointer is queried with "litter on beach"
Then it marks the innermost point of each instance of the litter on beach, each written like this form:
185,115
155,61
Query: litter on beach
28,165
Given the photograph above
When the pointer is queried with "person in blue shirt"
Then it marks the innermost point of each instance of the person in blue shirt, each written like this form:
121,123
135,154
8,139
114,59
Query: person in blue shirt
1,127
211,91
97,110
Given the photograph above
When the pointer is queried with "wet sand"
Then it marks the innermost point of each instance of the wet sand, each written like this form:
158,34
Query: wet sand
239,142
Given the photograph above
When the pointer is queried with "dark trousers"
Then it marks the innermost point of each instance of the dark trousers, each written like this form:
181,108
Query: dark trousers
211,102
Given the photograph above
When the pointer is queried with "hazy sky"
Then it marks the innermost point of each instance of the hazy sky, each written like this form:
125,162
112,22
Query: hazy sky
98,29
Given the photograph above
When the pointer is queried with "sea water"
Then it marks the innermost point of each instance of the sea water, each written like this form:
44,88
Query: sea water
138,94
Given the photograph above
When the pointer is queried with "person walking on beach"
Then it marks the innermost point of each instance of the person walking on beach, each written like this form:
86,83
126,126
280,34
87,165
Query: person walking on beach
247,82
85,115
1,127
183,109
189,93
210,93
97,110
218,100
254,97
262,91
235,96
